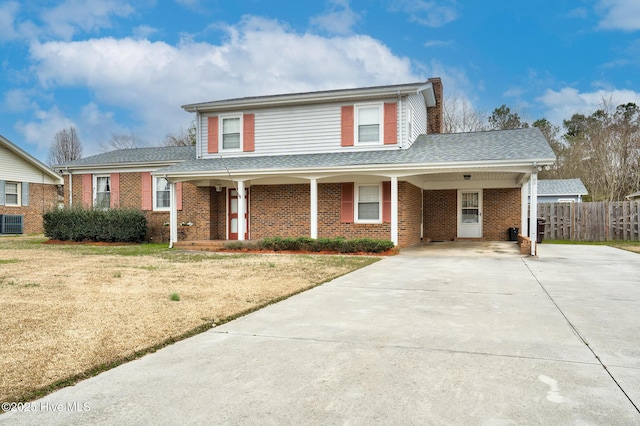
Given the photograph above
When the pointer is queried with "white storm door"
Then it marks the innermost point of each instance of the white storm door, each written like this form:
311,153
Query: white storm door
469,214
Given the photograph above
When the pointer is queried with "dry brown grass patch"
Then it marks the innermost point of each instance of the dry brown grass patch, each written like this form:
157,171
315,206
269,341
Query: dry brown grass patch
66,312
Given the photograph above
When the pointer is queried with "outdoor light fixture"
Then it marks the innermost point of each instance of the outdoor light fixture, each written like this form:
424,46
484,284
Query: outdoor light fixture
466,177
218,187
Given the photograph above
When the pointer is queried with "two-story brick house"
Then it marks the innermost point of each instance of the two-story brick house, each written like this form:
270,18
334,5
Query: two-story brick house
365,162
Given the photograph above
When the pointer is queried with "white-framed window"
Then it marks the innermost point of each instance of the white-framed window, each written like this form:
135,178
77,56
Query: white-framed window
102,191
368,205
368,125
161,194
230,132
12,193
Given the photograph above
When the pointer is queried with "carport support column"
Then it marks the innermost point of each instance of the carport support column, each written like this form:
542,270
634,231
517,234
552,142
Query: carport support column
394,210
533,211
314,208
241,210
524,208
173,214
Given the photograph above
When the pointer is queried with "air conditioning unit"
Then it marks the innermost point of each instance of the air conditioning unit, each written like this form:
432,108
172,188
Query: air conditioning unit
11,224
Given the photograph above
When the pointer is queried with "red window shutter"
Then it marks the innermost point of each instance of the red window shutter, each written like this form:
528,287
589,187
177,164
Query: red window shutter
386,202
212,135
115,190
248,133
147,191
346,203
179,196
346,138
87,191
390,123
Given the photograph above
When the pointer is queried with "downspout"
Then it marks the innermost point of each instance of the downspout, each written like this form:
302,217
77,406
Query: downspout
70,186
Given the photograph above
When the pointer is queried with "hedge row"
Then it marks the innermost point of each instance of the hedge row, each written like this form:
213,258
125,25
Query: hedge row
340,244
87,224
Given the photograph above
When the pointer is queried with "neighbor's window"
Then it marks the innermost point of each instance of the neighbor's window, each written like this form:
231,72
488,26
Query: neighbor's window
102,192
368,119
230,133
368,203
162,194
12,193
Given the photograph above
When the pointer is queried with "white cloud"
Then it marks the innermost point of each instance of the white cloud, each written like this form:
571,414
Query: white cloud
562,104
17,100
44,124
150,80
340,19
143,31
67,18
428,13
619,14
439,43
8,13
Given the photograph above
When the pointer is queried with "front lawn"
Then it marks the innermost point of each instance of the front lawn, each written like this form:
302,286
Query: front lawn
71,311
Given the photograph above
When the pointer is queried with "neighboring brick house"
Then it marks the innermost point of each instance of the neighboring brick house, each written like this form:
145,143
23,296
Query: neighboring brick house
365,162
28,189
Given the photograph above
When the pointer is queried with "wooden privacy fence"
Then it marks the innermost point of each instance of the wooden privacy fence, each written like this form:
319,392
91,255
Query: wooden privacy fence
600,221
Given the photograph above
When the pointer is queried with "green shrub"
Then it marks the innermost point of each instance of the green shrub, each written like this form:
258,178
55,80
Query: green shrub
339,244
88,224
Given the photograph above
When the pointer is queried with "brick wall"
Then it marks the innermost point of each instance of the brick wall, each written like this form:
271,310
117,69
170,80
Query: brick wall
410,203
440,214
42,198
435,115
218,215
196,208
279,210
500,211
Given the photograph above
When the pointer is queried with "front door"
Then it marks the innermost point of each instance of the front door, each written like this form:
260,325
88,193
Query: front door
233,214
469,214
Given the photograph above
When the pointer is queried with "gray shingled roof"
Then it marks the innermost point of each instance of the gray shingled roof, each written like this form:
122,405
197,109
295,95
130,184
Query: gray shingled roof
136,155
506,145
561,187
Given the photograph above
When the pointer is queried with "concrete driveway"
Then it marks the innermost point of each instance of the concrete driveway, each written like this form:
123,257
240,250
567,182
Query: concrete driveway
420,338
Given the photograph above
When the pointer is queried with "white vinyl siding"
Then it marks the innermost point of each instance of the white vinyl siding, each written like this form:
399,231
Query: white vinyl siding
419,121
294,130
17,169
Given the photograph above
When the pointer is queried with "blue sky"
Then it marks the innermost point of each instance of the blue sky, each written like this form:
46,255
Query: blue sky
114,66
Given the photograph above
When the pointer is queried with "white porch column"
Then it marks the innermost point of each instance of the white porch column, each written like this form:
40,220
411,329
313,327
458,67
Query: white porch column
314,208
533,212
173,214
524,208
241,211
394,210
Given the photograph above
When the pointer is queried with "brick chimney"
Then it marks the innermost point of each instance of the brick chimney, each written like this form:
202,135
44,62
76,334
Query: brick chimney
435,114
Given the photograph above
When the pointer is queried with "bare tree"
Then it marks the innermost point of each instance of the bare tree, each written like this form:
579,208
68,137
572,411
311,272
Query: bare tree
604,150
460,116
181,138
66,146
122,141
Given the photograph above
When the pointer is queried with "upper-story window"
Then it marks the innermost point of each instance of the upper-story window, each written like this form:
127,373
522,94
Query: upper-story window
368,124
231,133
161,194
102,192
12,193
